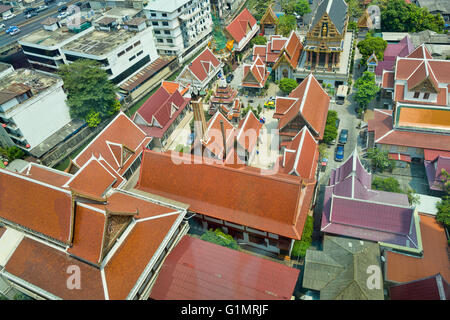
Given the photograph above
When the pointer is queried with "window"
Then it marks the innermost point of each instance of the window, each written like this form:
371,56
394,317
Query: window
153,14
257,240
121,53
160,40
169,41
137,43
164,15
426,95
157,32
416,95
155,23
132,58
165,23
129,48
166,31
139,53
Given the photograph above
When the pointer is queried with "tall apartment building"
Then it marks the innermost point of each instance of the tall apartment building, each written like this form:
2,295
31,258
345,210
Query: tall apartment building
119,40
181,27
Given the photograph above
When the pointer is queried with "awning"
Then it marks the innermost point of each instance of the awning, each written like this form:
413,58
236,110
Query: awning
400,157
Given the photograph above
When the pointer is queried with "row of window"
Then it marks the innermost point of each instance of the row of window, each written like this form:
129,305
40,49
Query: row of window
121,53
156,23
165,31
162,40
136,55
426,95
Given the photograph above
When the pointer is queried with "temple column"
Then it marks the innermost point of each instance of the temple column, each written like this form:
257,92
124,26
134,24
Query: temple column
307,58
334,59
317,58
326,60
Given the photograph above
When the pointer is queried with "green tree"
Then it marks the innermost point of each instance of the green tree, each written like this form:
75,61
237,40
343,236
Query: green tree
366,89
12,153
288,6
445,178
302,7
369,45
380,159
300,247
256,111
287,85
399,16
331,131
220,238
354,9
93,119
286,24
413,198
443,208
388,184
353,25
260,7
88,89
258,40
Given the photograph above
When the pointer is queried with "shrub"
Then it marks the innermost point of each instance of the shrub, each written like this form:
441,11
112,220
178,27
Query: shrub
300,247
93,119
220,238
287,85
388,184
12,153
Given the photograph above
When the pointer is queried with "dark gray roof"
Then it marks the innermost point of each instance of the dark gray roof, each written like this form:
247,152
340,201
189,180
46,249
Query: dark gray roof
442,6
339,272
336,10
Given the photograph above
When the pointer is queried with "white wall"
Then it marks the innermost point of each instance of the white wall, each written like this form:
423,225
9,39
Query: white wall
42,115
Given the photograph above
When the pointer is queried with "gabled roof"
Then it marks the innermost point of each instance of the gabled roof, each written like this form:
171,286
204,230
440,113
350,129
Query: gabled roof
404,268
434,169
171,87
312,105
45,174
255,75
382,126
269,16
421,52
301,155
276,203
36,205
121,131
352,209
240,27
291,51
213,140
335,9
431,288
160,111
339,271
248,132
200,270
203,64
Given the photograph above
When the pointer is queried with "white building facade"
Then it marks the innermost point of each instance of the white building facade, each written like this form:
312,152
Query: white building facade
181,28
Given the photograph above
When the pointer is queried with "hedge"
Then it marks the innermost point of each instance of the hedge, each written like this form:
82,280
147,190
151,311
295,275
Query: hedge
300,247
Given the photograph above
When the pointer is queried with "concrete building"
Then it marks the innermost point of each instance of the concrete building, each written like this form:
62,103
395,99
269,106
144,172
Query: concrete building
32,107
119,40
181,28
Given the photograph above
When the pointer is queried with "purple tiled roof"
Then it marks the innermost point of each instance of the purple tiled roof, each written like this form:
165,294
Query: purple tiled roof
352,209
434,169
394,50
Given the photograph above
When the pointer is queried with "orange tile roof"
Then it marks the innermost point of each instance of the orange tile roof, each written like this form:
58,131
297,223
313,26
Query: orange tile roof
273,203
170,86
420,52
238,27
400,96
312,105
248,133
424,118
301,155
388,80
48,175
130,260
92,180
46,268
403,268
35,205
255,75
121,130
88,234
213,140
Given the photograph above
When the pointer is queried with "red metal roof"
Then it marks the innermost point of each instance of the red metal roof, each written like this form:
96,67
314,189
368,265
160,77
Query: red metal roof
400,157
200,66
200,270
431,155
432,288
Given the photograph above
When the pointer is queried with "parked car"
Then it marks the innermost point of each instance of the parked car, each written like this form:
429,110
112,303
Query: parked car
31,14
62,9
2,26
8,16
14,31
28,10
42,8
62,15
11,28
343,136
272,99
339,153
269,105
230,77
341,94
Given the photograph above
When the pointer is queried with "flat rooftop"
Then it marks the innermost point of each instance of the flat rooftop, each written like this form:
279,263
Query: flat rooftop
48,38
99,42
37,81
121,12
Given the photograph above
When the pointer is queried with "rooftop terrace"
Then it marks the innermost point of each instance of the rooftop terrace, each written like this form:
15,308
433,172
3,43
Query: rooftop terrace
49,38
99,42
36,80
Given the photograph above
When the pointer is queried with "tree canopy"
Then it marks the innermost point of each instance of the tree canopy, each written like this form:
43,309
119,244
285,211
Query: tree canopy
286,24
380,159
331,131
258,40
372,44
287,85
220,238
302,7
288,6
89,91
260,7
443,214
12,153
388,184
366,89
399,16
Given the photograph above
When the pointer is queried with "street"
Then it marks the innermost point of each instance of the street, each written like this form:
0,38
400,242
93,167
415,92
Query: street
28,26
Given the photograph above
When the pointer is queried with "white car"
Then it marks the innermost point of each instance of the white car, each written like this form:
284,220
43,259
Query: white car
62,15
15,31
59,4
8,16
42,8
2,27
